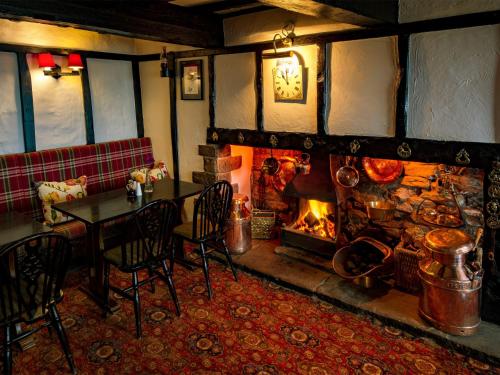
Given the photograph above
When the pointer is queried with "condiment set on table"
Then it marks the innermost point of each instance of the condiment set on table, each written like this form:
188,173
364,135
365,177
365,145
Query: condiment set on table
134,188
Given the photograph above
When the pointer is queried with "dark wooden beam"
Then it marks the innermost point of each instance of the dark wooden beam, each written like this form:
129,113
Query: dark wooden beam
87,104
167,26
173,114
322,84
136,76
355,12
402,92
448,23
259,104
211,90
28,114
423,150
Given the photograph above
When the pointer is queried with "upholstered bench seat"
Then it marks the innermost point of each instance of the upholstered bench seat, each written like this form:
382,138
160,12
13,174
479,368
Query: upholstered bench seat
106,165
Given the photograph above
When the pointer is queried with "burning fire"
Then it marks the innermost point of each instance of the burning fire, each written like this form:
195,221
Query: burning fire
316,218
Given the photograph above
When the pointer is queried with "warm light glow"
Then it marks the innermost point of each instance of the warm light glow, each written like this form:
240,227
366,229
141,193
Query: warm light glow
46,61
316,218
75,61
288,66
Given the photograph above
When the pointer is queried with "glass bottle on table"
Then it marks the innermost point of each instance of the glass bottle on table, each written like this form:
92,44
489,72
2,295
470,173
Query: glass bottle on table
148,185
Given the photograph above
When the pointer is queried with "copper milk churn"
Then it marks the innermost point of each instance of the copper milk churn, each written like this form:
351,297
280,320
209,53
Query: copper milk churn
451,287
239,228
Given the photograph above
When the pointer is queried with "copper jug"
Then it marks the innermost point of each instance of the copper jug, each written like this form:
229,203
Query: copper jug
451,287
239,228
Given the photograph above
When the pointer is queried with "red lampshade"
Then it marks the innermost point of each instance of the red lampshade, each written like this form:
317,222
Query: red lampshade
45,60
75,61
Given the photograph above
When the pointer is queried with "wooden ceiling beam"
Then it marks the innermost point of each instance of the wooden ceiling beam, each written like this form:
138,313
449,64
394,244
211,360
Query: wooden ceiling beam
355,12
166,23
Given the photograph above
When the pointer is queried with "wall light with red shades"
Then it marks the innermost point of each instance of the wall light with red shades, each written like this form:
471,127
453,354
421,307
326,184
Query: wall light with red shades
50,68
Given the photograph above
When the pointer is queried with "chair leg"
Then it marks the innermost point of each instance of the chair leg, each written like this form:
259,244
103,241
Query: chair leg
175,243
7,351
152,282
137,305
205,269
106,289
229,260
171,287
56,321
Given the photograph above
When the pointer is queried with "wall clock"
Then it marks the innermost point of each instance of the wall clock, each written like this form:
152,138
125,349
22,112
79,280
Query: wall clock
289,78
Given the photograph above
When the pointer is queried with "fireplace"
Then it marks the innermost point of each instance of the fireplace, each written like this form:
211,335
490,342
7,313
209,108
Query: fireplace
317,214
315,221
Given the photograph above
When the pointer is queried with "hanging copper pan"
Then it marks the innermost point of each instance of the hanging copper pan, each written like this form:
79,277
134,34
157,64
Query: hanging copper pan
382,171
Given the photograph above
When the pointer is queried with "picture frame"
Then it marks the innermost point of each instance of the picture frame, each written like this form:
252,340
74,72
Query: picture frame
192,80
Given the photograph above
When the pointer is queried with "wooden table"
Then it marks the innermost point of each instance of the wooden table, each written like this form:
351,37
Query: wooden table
15,226
97,209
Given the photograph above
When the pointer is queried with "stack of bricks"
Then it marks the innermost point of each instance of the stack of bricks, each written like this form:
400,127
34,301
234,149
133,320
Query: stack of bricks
217,164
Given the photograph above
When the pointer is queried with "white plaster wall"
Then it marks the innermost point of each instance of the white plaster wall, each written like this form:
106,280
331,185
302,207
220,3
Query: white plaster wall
11,121
192,123
156,111
113,106
235,91
251,28
58,107
416,10
292,117
363,75
454,88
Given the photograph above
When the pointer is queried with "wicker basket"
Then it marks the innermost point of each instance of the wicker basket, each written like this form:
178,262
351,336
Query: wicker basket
406,269
263,222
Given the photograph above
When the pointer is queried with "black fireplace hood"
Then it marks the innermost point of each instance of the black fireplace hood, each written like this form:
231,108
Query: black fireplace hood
315,185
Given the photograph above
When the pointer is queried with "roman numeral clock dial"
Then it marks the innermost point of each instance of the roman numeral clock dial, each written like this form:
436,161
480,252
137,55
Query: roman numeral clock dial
288,82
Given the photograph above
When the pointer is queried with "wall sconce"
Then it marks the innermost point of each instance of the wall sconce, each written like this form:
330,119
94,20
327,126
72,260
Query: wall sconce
50,68
164,70
285,39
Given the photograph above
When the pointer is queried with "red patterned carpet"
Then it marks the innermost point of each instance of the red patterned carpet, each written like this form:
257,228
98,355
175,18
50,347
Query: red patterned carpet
250,327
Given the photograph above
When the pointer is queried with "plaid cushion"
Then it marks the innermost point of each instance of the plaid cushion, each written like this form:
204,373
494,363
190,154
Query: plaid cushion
106,166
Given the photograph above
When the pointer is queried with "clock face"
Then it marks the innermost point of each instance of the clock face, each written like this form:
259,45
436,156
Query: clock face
288,83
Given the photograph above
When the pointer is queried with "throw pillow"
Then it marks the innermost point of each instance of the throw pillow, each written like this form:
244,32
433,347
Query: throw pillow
55,192
158,172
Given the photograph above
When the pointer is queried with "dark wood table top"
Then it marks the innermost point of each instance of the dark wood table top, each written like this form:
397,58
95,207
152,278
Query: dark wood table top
15,226
102,207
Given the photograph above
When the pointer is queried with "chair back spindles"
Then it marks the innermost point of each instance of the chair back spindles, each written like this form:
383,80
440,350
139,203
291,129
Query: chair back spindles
148,234
211,211
32,272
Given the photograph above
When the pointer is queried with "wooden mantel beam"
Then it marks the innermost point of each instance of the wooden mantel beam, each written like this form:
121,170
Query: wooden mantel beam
163,23
355,12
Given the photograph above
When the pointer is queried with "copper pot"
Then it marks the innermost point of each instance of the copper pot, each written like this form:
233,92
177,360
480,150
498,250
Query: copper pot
450,298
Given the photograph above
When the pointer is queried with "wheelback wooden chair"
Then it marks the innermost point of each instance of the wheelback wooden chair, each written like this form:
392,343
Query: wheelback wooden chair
211,211
145,245
32,273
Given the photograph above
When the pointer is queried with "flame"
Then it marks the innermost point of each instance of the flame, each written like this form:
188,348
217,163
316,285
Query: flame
323,225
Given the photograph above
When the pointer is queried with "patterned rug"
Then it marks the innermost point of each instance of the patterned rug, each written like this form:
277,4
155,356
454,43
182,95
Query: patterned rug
250,327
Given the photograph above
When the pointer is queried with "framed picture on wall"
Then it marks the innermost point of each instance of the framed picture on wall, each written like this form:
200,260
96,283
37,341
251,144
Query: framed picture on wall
192,80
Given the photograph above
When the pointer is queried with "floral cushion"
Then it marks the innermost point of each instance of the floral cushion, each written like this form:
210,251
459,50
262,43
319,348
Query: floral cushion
158,172
55,192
